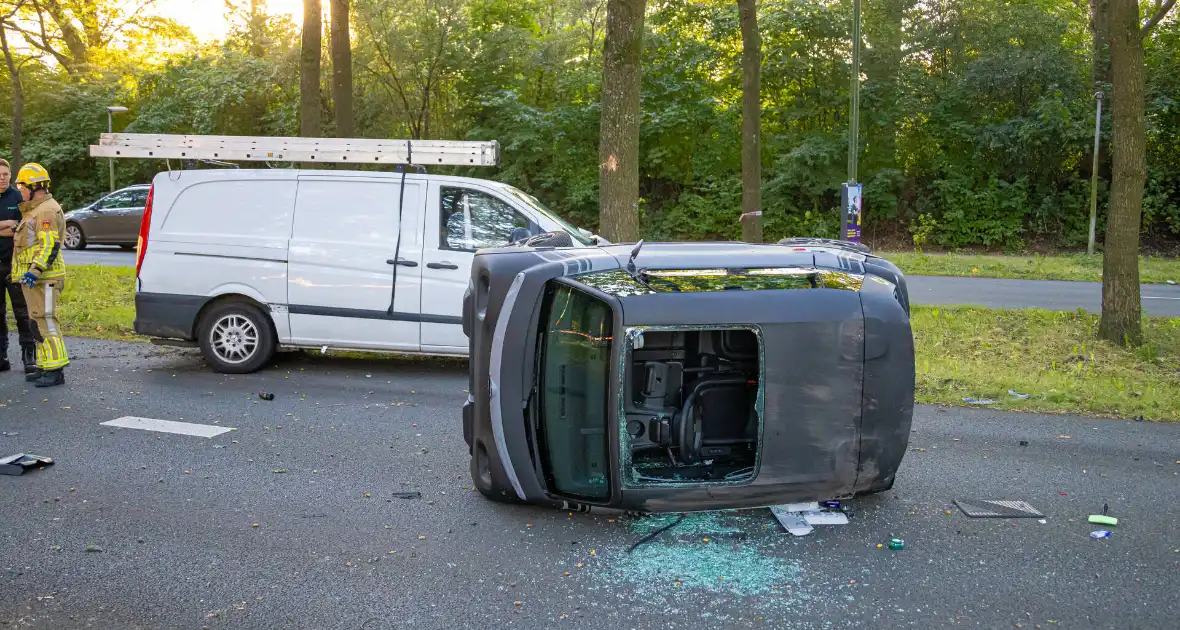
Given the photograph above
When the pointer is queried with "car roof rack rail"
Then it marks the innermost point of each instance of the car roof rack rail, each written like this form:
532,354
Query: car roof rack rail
285,149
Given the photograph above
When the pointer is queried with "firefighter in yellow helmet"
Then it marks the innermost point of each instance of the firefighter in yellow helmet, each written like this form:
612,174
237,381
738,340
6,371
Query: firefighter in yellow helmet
37,265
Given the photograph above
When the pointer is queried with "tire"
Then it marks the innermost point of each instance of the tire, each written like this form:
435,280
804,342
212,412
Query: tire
74,237
485,481
236,337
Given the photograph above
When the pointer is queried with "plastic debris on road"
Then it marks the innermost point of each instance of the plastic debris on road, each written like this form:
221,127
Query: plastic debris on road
1103,520
978,401
1101,533
19,463
266,395
791,521
407,495
800,518
1015,394
896,544
825,518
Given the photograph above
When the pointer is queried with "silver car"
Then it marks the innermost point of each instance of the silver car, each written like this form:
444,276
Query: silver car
112,220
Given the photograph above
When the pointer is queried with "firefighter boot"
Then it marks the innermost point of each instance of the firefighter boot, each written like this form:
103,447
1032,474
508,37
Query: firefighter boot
51,378
28,356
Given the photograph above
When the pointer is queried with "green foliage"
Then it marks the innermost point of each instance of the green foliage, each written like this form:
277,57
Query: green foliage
976,128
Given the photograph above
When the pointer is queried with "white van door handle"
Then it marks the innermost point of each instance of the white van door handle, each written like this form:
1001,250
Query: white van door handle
441,265
403,262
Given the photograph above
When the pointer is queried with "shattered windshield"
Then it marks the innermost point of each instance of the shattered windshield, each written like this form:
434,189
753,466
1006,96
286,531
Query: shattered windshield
574,375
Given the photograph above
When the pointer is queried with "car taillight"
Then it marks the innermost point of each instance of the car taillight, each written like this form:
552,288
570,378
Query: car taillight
145,225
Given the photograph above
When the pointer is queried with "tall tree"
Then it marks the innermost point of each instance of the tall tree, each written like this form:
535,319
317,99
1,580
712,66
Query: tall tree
751,121
342,69
79,33
1121,299
309,69
618,145
18,95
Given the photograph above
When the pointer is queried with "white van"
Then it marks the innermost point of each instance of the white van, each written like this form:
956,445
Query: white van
243,262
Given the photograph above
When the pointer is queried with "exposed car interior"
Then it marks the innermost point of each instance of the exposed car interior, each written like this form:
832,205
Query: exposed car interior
691,406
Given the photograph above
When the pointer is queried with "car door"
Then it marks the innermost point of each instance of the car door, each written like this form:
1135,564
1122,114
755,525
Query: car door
341,266
102,224
126,218
460,218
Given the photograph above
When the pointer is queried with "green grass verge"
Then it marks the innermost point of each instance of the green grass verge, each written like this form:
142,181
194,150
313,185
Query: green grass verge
961,352
1152,269
1054,357
98,302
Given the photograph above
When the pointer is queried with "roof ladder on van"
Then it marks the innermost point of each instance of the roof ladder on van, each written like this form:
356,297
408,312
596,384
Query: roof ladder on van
279,149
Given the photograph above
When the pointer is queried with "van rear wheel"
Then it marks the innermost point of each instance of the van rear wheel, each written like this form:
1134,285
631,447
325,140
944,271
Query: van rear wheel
236,338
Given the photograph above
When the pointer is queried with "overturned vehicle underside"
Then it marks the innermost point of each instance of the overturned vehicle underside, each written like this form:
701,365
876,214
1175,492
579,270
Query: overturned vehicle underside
686,376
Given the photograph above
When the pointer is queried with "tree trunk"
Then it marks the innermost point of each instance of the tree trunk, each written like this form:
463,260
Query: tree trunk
618,147
309,70
1121,301
1100,39
18,99
751,121
342,69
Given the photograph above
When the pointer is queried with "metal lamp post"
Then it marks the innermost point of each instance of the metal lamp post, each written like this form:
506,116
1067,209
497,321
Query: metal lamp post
111,111
1094,174
850,197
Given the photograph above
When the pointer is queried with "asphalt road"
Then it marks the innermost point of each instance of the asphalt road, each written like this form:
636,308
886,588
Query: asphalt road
174,517
1056,295
1158,299
108,256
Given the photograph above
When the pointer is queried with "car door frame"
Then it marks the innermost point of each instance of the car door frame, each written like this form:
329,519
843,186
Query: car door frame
433,254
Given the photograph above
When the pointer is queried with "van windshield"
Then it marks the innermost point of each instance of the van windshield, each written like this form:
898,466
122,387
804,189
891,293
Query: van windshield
532,202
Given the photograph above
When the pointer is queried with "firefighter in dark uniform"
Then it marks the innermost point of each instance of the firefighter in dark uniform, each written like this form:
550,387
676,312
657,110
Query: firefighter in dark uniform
10,291
37,265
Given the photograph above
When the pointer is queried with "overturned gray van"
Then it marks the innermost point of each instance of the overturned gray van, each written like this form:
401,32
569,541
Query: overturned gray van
686,376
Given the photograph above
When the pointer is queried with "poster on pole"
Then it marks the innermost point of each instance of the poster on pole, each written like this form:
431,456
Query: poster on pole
850,212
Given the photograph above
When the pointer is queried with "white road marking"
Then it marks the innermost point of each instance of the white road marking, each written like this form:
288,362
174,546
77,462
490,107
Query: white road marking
167,426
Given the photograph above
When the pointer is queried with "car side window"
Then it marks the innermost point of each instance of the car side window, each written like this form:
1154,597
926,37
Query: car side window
116,200
138,198
470,220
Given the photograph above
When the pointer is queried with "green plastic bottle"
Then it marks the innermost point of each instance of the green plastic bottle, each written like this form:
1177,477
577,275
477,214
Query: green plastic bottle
896,544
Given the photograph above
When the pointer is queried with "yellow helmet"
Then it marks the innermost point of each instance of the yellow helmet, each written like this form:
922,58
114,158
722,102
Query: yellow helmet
31,174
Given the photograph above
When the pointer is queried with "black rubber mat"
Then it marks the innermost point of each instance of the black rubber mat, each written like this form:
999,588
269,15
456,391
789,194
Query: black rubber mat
994,508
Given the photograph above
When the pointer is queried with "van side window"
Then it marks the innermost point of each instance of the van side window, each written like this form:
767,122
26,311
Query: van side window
470,220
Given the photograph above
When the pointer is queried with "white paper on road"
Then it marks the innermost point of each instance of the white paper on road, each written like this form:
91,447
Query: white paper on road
809,506
167,426
825,518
